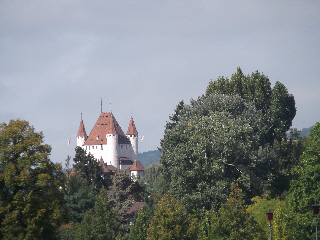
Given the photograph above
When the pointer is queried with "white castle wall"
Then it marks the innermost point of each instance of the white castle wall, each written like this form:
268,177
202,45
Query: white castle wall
112,150
134,144
80,140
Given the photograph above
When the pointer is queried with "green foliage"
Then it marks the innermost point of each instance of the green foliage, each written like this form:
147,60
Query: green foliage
259,209
80,197
294,134
171,221
232,221
288,154
31,204
99,223
89,168
282,110
151,177
122,193
150,157
216,140
84,181
305,189
138,230
276,104
280,228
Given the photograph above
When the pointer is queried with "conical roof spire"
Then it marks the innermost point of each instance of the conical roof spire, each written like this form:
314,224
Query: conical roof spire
82,130
132,128
112,127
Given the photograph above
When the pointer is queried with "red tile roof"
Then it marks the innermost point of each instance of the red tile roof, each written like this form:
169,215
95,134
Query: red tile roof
132,128
82,130
106,167
106,124
135,207
137,166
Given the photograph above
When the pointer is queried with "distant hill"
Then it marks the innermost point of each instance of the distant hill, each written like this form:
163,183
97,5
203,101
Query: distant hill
147,158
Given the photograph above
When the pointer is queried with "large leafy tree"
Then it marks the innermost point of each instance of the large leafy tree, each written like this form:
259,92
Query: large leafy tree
98,223
84,182
215,140
122,193
151,177
89,168
232,221
275,103
101,223
31,202
171,221
139,229
305,189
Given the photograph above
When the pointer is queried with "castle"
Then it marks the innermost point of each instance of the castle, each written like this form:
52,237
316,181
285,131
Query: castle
109,145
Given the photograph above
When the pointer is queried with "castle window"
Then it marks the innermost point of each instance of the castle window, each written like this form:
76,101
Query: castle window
126,146
121,146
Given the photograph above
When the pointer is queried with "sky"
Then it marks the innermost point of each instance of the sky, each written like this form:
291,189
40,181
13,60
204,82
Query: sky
59,58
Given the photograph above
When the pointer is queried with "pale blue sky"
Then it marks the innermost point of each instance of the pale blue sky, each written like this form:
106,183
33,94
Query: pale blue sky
58,58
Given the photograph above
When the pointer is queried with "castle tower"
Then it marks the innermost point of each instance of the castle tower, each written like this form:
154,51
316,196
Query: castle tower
107,141
132,134
112,140
82,135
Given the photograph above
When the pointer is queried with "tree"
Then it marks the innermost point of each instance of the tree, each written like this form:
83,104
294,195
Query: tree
280,228
84,181
171,221
282,110
233,221
79,196
294,134
288,154
139,228
276,104
101,223
89,168
216,140
122,194
261,206
151,177
31,202
304,189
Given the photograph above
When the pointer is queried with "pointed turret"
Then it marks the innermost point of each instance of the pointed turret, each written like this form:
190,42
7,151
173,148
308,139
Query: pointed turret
82,135
132,134
132,128
111,126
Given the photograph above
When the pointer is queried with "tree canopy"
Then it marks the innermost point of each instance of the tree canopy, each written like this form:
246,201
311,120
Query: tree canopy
304,189
216,140
171,221
232,221
31,202
275,103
